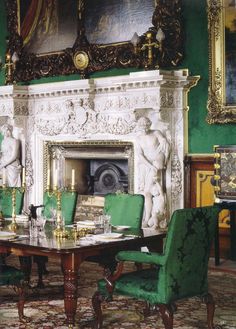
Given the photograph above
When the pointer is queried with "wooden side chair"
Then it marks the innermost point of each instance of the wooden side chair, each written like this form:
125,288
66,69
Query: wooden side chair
11,276
180,272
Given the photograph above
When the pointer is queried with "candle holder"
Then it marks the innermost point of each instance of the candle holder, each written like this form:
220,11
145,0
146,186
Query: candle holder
59,230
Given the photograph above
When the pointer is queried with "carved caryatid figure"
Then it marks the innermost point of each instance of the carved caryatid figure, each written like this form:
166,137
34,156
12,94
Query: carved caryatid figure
153,152
10,156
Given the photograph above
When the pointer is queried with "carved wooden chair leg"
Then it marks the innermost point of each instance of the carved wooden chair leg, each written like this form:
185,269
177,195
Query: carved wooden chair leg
210,304
96,302
40,261
139,266
26,265
147,309
167,315
21,302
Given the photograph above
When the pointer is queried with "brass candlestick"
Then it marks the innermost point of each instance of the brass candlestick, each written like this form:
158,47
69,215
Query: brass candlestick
59,230
13,226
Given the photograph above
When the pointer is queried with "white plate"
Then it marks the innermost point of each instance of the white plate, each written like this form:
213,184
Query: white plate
7,235
87,223
22,218
108,236
121,227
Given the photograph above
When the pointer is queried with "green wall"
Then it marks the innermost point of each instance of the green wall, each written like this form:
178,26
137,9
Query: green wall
202,136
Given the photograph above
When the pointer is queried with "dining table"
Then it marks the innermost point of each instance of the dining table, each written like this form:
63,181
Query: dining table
72,250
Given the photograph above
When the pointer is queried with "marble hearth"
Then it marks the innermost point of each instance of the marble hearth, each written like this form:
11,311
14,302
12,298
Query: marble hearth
139,119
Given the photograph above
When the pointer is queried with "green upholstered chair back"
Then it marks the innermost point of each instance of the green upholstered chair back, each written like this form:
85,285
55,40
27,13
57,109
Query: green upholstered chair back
6,201
68,205
125,209
186,253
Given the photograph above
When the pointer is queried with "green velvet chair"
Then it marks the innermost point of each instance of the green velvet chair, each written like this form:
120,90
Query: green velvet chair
6,201
68,205
125,209
179,272
11,276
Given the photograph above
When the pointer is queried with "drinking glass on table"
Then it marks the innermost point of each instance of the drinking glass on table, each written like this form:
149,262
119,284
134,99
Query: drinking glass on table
53,215
33,229
106,223
40,224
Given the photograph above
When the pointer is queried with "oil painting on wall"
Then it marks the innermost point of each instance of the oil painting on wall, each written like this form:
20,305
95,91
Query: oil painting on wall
230,52
47,25
110,21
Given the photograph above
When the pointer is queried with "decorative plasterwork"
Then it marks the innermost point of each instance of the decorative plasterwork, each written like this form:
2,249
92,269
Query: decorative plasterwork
108,110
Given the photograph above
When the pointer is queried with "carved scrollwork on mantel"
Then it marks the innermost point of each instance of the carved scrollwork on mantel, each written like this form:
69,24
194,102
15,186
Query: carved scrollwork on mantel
85,58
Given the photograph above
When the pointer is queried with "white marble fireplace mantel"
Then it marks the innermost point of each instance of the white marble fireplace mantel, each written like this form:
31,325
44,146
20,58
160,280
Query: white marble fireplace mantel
106,109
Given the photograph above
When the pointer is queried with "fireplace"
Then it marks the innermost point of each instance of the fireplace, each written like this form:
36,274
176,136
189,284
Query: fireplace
94,126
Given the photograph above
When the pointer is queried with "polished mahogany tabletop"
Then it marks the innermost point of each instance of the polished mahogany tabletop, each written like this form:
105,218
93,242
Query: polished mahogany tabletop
47,242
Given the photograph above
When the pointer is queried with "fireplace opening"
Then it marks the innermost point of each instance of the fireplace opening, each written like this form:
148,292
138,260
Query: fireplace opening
99,176
100,167
109,176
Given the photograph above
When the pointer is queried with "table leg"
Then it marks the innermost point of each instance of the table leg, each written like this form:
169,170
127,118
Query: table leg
70,266
232,234
217,245
26,265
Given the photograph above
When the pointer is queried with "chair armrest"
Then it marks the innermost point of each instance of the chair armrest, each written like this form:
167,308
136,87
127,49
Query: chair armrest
141,257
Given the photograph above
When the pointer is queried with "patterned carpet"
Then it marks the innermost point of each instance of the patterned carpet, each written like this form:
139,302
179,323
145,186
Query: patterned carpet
46,309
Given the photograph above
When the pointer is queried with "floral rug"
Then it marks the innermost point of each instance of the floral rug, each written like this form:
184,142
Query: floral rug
45,307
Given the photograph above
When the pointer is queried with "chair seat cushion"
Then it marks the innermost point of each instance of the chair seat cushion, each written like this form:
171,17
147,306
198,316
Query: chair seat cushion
139,284
10,275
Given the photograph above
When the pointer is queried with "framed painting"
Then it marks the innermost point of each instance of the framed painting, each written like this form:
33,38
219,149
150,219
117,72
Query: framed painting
47,26
222,61
59,37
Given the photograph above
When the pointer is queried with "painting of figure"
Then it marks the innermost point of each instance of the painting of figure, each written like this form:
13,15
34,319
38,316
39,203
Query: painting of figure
47,25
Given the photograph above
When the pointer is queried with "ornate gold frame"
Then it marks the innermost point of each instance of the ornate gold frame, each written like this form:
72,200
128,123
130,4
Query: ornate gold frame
218,110
85,58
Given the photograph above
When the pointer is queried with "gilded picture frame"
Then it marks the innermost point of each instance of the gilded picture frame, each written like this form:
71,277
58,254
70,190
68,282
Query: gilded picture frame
85,55
222,51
